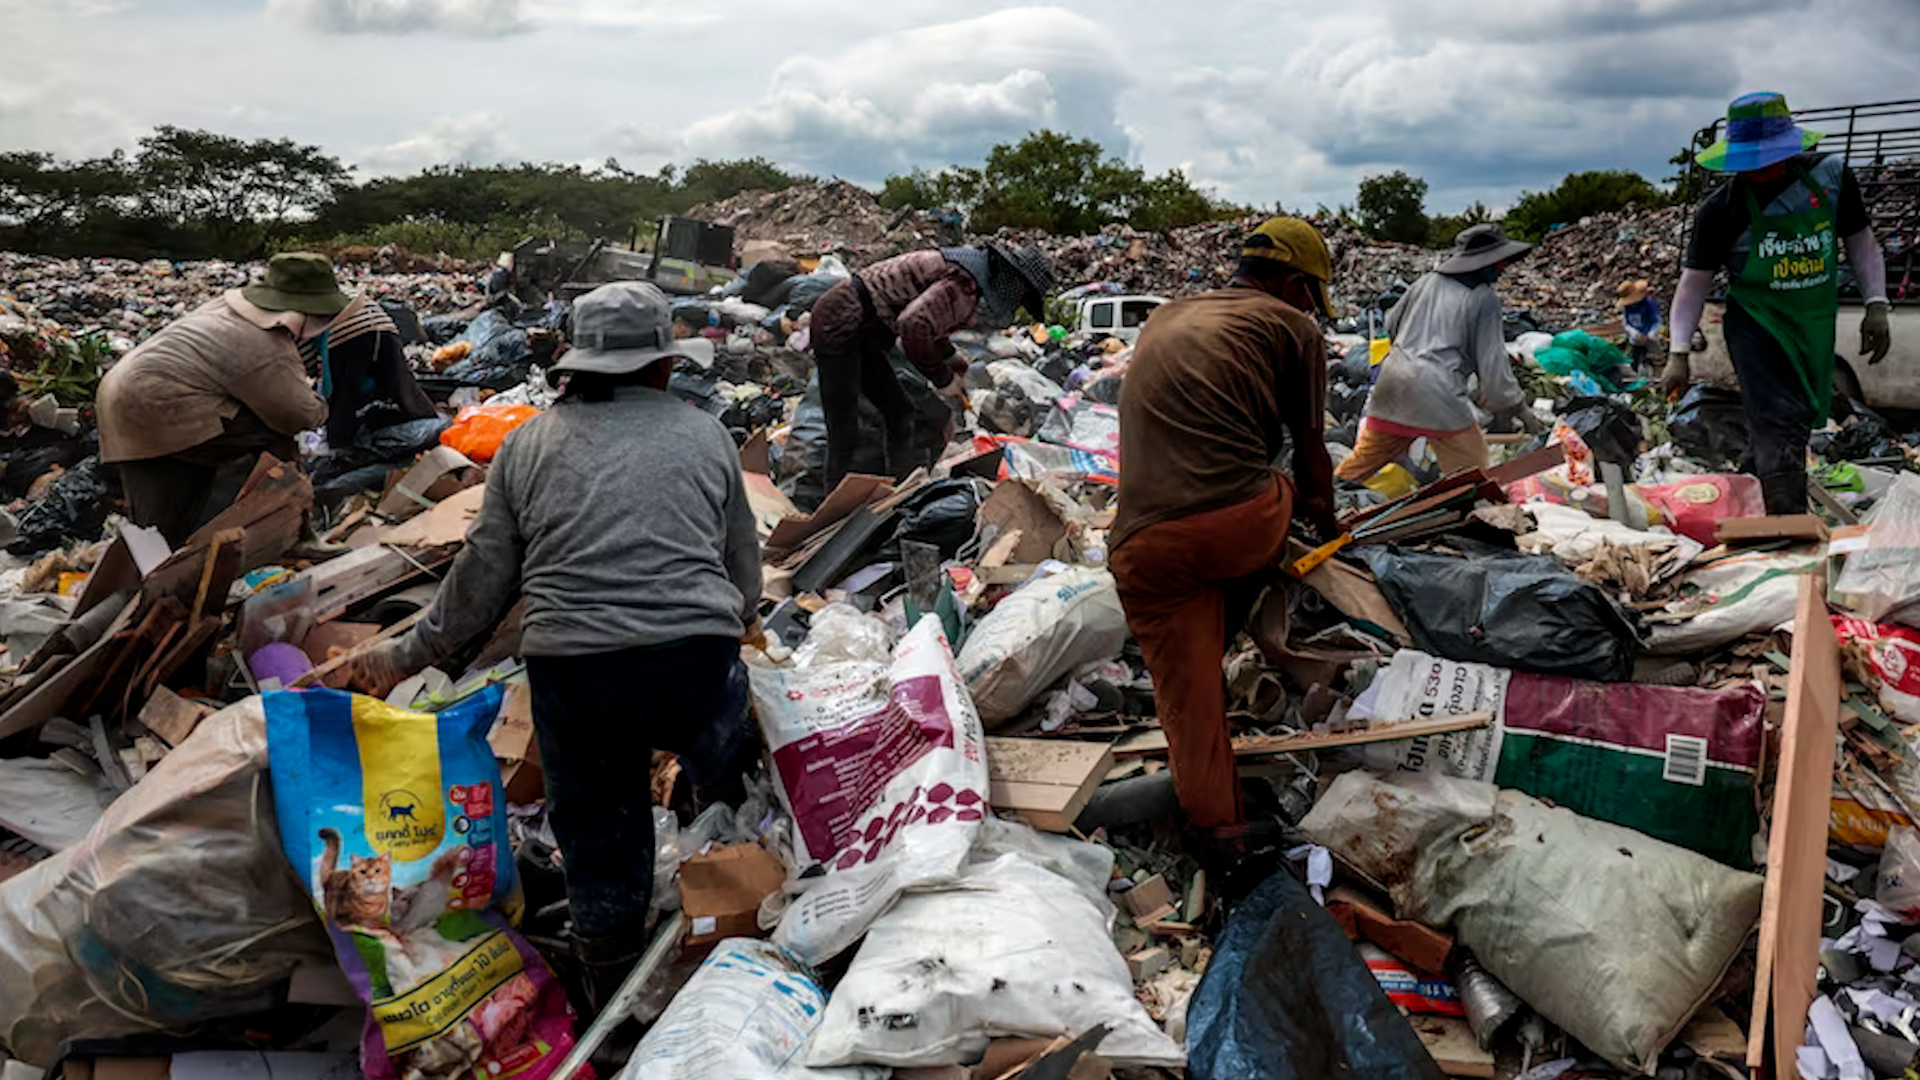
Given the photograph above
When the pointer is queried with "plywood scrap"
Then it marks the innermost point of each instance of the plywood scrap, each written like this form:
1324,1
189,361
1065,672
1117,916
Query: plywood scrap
1045,782
1253,745
1788,963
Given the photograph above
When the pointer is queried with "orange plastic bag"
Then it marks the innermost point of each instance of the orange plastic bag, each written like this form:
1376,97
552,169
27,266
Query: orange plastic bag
478,430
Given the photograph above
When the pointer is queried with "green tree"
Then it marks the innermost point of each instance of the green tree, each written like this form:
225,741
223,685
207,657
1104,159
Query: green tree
1393,207
710,181
1580,195
1442,230
233,189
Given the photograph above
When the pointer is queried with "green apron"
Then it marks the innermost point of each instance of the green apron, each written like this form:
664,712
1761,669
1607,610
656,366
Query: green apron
1790,288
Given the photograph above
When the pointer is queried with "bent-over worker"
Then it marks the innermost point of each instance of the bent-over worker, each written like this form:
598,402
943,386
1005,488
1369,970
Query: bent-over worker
1217,385
363,373
224,383
620,516
919,299
1445,331
1773,228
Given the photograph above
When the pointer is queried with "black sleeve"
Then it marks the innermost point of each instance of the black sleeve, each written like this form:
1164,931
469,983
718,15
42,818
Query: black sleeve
1851,215
1713,231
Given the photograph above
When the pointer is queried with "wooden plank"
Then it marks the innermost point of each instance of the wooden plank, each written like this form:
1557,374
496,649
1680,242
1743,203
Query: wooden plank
1351,590
1790,910
1047,782
49,697
1782,527
172,717
1149,743
1528,465
1255,745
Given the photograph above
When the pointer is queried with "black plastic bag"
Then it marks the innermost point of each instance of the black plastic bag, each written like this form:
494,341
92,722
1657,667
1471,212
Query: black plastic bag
804,458
1286,997
405,321
1610,429
767,282
941,514
1709,424
441,329
1508,609
75,508
1863,436
24,466
404,440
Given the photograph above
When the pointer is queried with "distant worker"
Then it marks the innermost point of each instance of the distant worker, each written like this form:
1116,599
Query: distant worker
1218,384
1640,314
918,299
621,518
1446,331
1774,228
363,373
223,384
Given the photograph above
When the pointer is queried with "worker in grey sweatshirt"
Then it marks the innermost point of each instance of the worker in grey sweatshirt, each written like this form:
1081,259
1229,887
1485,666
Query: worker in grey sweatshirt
621,516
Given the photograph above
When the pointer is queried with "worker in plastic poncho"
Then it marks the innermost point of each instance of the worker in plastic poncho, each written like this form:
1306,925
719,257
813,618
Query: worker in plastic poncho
620,517
1775,227
918,299
1446,331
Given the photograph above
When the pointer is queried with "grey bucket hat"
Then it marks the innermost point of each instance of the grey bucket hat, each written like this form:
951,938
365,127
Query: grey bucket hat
1036,272
1480,246
625,326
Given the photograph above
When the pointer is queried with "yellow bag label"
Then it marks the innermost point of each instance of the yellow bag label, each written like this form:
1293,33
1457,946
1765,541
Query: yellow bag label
406,811
439,1003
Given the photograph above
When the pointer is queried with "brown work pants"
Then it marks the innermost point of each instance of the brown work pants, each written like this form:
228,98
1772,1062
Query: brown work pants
1187,586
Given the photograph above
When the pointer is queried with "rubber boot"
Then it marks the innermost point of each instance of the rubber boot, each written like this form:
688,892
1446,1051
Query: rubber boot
1785,492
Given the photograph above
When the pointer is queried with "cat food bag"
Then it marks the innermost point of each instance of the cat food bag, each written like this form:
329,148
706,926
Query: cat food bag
396,822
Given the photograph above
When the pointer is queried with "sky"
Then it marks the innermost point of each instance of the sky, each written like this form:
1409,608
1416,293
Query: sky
1260,101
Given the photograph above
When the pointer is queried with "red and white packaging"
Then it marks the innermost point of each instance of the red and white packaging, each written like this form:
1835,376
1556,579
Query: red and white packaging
881,760
1893,655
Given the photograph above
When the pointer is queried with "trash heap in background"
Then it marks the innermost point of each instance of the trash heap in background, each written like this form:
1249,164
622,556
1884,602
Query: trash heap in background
1541,766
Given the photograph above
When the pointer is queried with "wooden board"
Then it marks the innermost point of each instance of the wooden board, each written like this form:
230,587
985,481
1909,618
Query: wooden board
50,695
1251,745
1790,915
1351,590
1453,1046
1783,527
1527,465
854,491
1045,782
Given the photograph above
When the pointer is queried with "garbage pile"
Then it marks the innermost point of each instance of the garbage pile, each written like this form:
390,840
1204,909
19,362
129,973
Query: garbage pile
1577,765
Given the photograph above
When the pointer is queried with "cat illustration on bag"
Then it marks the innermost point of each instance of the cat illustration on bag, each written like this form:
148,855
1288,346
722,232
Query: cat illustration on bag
361,896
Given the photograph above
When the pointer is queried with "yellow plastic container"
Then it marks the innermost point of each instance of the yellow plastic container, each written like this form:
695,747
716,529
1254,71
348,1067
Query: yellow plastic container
1392,481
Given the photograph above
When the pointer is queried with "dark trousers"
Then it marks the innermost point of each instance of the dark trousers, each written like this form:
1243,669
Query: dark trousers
852,368
599,719
175,494
1779,416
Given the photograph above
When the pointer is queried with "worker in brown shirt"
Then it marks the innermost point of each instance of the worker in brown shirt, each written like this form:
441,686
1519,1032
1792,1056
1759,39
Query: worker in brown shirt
224,383
919,299
1217,382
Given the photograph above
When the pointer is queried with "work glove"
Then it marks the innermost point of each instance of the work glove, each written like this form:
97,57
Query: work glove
1875,336
955,392
755,636
1528,421
1678,375
377,671
1317,510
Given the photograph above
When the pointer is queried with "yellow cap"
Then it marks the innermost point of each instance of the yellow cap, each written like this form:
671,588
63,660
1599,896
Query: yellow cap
1297,244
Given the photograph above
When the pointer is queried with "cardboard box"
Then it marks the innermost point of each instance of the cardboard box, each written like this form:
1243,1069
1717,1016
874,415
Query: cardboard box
722,890
516,747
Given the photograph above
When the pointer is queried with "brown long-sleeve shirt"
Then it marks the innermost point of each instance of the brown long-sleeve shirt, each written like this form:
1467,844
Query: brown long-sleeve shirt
176,390
919,297
1216,382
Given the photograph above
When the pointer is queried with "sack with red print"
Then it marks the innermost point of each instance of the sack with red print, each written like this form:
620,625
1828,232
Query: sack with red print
880,758
1890,657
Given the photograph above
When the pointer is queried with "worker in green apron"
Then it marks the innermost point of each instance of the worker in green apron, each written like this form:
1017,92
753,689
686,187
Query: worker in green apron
1776,228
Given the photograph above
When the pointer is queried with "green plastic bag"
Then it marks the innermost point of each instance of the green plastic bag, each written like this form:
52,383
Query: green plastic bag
1578,351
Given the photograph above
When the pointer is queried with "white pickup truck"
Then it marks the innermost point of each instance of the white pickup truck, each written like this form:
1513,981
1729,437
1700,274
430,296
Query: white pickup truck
1893,383
1121,316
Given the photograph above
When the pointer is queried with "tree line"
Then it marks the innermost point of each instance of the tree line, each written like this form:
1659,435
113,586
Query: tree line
1392,206
197,194
186,194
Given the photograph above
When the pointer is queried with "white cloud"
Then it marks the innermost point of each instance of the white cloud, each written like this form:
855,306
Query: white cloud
478,18
932,95
472,139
